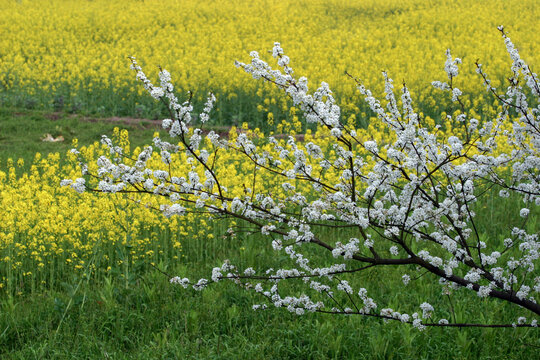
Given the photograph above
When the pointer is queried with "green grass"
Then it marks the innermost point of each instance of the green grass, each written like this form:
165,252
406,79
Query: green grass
107,102
22,131
146,317
134,313
138,314
151,319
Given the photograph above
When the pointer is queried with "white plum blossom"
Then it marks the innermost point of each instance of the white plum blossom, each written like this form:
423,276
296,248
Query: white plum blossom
157,92
427,310
184,282
371,146
79,185
406,279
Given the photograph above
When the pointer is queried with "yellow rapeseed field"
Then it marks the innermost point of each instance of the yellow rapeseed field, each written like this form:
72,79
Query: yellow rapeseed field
46,230
84,44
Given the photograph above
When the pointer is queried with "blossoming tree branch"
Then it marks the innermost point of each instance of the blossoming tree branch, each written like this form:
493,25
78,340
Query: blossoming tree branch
409,203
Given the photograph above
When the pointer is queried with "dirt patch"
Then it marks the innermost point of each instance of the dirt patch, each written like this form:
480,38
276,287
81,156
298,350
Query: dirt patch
53,116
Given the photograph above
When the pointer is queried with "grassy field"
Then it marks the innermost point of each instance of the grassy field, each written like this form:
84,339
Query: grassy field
23,131
150,319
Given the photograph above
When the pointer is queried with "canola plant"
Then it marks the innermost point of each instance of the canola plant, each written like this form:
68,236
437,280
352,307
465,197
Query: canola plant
79,48
82,47
48,231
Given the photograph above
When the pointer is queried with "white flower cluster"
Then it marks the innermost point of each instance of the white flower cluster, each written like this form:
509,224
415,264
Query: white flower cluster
204,117
79,185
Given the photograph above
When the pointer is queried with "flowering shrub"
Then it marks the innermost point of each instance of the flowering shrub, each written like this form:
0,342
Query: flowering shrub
409,198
